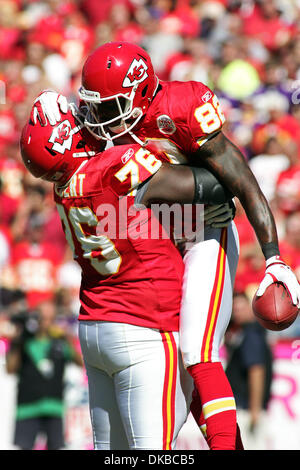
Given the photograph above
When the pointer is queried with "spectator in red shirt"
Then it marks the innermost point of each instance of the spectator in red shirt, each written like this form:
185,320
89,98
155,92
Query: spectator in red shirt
290,245
35,263
95,14
280,124
123,25
265,24
288,189
11,183
250,271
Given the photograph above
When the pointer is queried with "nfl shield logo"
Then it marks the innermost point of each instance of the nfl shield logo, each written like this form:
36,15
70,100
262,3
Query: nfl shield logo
166,125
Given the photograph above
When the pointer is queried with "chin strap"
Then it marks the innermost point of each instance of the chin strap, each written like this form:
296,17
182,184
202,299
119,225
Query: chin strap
139,141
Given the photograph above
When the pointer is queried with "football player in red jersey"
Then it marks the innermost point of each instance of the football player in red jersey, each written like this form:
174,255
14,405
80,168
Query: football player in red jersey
131,285
125,100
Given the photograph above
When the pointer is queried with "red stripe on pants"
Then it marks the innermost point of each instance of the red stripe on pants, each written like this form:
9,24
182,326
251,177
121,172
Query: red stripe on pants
169,391
215,300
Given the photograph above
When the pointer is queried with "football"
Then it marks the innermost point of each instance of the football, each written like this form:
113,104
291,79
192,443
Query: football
274,309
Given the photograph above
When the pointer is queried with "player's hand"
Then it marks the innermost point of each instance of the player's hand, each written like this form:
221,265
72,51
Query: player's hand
278,271
48,107
219,216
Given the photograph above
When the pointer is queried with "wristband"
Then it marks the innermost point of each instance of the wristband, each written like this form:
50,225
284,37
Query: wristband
270,249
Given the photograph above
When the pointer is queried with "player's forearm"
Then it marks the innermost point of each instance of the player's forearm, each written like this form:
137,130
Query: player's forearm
262,220
230,166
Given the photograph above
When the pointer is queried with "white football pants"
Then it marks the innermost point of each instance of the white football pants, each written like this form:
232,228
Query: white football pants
210,268
139,391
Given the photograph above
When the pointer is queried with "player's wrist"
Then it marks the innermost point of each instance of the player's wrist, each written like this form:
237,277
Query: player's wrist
270,250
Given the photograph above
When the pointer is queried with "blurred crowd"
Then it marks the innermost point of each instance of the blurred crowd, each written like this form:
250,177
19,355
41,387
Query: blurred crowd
247,51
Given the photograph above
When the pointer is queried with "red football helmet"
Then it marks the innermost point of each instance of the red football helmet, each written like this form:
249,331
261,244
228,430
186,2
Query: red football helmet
118,84
54,153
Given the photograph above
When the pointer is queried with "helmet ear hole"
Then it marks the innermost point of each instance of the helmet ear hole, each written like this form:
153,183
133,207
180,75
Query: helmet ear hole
51,151
144,91
81,144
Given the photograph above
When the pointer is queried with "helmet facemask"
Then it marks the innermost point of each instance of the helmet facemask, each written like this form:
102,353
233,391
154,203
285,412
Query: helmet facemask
110,117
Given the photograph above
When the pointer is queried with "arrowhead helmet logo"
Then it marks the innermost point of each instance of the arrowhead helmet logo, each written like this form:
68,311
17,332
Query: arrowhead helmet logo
61,137
137,73
62,134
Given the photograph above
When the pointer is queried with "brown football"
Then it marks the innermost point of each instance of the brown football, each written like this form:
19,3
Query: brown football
274,309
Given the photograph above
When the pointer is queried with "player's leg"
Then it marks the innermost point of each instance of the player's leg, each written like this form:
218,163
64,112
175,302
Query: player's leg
196,410
154,392
108,431
107,426
210,268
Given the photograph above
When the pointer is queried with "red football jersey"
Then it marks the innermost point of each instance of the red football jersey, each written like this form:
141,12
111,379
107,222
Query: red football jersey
35,267
288,189
127,276
180,119
290,254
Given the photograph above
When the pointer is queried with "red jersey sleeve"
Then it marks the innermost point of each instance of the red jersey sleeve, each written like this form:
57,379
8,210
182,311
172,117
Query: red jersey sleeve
134,166
204,114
